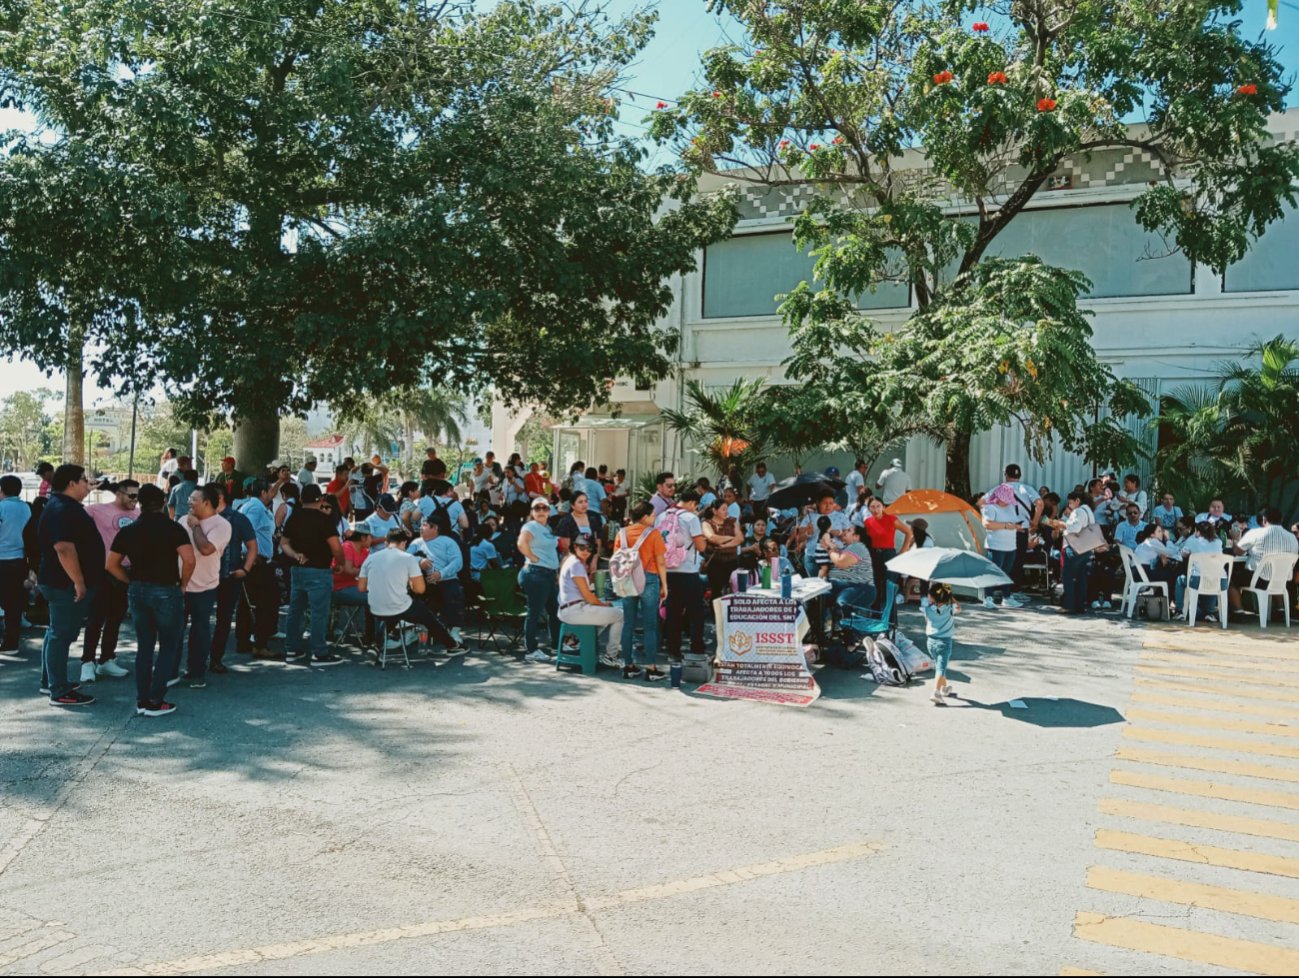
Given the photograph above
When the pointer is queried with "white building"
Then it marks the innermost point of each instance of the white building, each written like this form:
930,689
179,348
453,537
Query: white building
1158,319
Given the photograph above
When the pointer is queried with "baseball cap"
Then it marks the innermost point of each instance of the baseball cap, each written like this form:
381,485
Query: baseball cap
539,501
386,501
312,493
228,458
832,472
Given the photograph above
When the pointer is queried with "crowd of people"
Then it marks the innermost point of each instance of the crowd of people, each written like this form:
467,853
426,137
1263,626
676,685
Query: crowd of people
192,560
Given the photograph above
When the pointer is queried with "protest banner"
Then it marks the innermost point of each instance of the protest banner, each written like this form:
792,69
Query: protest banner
760,651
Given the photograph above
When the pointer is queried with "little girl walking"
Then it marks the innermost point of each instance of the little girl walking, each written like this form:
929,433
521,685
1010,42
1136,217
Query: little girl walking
940,625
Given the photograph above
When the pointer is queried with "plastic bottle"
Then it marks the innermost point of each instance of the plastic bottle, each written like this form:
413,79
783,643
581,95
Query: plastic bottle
786,581
766,574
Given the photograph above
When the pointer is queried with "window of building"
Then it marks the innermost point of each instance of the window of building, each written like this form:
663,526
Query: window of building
743,276
1270,264
1105,243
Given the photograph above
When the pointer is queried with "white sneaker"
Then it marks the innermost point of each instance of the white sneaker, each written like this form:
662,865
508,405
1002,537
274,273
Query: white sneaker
611,660
937,698
87,672
989,603
111,668
536,655
455,633
1096,605
1107,605
949,690
1016,601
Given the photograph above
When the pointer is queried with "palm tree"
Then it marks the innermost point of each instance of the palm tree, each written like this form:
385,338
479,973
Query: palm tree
434,413
1261,435
723,425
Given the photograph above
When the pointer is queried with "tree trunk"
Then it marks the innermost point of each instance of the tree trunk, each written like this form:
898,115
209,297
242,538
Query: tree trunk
958,464
74,416
257,440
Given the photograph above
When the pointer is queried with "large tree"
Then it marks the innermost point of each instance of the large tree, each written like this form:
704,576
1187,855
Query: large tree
341,197
997,96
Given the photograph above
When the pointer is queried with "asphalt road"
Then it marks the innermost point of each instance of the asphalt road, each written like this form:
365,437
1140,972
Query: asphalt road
490,816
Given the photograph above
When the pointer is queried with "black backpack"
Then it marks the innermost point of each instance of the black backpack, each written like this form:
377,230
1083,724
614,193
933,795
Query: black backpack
887,667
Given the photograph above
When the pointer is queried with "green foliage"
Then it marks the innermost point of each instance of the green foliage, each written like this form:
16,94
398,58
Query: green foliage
24,429
843,95
722,426
269,203
1241,441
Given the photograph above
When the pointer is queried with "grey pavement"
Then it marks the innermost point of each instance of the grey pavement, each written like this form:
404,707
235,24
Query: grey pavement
489,816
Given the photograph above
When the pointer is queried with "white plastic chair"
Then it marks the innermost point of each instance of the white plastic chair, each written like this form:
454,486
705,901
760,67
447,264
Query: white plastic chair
1211,570
1279,568
1136,581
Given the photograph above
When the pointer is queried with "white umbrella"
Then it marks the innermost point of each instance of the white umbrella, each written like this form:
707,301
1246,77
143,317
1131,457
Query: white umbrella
949,566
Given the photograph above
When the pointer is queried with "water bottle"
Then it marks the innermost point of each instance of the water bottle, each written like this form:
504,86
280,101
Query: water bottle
766,574
786,581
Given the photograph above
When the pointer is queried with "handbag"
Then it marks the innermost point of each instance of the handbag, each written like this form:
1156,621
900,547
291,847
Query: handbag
1087,539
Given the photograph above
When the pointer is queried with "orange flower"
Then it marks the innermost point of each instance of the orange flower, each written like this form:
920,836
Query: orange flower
661,105
814,147
837,141
1250,89
997,78
943,77
717,94
1046,105
980,27
784,144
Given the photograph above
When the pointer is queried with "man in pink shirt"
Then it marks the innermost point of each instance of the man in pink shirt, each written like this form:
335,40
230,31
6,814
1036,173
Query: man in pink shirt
108,607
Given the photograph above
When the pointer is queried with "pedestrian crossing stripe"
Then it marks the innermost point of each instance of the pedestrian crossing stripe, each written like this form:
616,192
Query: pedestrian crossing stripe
1216,706
1251,649
1205,789
1187,945
1264,906
1213,743
1230,679
1215,723
1262,666
1190,685
1147,845
1247,768
1240,824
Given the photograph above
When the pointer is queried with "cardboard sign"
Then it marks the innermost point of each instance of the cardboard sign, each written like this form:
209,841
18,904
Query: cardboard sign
760,651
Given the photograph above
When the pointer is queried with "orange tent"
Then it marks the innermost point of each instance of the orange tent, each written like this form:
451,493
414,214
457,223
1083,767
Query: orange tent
952,521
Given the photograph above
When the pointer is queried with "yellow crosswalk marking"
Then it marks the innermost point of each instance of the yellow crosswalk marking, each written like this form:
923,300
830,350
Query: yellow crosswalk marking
1241,824
1079,971
1261,905
1225,952
1188,684
1247,768
1215,723
1257,650
1217,705
1220,676
1216,743
1198,659
1206,855
1205,789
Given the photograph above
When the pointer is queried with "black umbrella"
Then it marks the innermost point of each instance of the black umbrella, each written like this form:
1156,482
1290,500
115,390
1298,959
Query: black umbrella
802,489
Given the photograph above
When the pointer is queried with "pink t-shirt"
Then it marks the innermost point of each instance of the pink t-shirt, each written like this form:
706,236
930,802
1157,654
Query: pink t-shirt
207,569
109,518
356,557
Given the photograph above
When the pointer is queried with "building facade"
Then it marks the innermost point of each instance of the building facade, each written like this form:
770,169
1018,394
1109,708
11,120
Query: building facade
1158,319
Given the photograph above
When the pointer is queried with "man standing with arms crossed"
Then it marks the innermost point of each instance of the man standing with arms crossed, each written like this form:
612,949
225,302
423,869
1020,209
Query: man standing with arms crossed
210,535
311,541
162,560
108,609
259,602
236,562
71,567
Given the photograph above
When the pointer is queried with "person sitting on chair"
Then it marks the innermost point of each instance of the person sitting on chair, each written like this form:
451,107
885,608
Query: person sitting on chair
389,579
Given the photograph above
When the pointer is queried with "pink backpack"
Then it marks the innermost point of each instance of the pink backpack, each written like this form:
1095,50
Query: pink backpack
678,543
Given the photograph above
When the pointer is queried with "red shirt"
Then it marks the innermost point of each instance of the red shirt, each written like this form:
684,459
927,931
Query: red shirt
535,485
340,489
356,557
882,530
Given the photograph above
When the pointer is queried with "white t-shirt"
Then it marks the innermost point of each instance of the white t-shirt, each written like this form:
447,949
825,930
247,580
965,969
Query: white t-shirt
838,520
207,569
1198,545
690,527
1002,540
1267,540
568,574
894,483
760,486
387,574
855,482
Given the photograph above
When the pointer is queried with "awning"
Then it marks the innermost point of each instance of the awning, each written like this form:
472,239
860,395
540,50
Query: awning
606,424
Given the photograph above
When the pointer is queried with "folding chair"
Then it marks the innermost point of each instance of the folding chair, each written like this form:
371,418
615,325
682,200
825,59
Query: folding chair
382,626
868,624
349,623
503,606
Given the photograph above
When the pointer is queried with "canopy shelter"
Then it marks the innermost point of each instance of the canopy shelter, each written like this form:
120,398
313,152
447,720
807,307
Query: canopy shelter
952,521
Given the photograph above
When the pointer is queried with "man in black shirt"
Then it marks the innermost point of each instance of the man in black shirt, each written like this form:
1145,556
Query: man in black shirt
71,567
311,541
162,559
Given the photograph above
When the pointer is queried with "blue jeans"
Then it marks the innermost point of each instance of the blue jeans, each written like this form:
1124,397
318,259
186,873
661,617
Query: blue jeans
228,594
1005,559
645,608
1077,568
67,615
850,593
940,650
541,585
447,599
310,587
199,606
158,614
